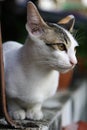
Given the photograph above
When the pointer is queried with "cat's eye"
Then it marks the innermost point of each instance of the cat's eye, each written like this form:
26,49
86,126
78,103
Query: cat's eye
51,45
61,47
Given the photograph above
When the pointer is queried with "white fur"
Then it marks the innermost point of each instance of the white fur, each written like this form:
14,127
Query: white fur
32,70
26,81
71,51
31,76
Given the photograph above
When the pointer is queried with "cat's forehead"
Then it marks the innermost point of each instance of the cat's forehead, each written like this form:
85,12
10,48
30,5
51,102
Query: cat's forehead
63,35
60,31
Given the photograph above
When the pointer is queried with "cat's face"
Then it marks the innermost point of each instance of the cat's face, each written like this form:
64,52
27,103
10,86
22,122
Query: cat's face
55,46
60,48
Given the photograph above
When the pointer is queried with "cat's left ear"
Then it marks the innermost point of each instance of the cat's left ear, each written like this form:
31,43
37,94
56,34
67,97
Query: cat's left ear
67,22
35,22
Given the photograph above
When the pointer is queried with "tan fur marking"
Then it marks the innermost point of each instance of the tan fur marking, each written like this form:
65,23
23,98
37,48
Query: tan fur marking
50,36
65,20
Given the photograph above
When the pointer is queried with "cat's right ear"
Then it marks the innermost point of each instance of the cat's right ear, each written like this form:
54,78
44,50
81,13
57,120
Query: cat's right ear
34,20
67,22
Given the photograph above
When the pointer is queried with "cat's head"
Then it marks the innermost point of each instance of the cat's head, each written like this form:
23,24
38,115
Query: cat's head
55,46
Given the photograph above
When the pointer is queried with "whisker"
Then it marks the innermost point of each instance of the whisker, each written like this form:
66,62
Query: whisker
80,35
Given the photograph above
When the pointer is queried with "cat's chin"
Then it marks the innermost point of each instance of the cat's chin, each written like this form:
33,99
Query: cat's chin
64,71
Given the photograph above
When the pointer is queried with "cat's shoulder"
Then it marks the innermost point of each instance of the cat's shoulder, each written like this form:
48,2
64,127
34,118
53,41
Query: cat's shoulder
10,45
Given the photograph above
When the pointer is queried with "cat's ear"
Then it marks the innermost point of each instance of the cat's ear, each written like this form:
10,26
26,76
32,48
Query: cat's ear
67,22
34,20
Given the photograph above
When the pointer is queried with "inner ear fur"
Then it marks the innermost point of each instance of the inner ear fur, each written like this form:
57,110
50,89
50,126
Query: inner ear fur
67,22
34,20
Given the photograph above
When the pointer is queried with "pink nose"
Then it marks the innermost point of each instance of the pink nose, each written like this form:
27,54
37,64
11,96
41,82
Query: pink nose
72,62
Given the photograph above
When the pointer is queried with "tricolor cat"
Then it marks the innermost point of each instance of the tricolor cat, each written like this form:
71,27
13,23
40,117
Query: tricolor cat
32,70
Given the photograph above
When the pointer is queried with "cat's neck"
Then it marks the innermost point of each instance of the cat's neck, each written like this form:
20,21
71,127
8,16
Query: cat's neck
27,49
30,56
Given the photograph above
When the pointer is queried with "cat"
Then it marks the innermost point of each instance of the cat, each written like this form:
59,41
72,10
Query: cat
32,70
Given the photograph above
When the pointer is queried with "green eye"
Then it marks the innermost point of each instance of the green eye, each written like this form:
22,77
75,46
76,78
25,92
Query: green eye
61,47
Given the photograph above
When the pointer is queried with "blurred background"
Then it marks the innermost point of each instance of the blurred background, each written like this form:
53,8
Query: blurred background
13,20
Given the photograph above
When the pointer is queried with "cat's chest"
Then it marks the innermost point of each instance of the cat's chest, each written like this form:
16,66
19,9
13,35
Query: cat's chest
43,82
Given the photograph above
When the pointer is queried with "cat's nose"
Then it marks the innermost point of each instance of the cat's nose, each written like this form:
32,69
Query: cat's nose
73,62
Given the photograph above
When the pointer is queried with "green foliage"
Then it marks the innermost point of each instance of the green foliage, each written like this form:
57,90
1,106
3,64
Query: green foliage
81,37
